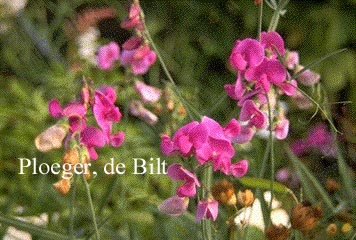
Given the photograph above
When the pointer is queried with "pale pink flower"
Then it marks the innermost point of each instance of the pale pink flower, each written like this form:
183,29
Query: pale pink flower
107,55
179,173
207,209
147,92
174,206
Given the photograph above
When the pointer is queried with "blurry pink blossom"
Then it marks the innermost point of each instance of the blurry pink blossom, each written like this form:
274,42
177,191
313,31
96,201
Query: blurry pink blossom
178,173
140,59
107,55
239,169
174,206
147,93
138,110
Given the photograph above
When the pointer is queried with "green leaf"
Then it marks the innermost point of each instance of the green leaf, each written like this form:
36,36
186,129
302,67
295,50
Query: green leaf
32,229
261,183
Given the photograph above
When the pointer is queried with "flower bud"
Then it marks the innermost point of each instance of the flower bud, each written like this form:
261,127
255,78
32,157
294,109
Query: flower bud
62,186
279,232
304,217
331,230
308,77
245,198
51,138
224,192
170,105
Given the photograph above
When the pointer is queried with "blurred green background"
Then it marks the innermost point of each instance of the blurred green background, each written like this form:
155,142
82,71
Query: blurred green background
38,53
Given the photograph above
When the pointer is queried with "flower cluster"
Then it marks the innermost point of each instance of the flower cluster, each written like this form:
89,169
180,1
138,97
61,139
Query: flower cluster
209,143
262,75
319,138
136,54
81,139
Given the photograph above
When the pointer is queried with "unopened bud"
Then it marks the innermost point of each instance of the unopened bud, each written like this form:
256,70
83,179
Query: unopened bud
51,138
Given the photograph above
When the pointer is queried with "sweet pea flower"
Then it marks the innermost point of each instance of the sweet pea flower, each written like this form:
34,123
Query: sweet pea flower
140,59
138,110
207,209
322,139
245,135
246,53
147,93
74,111
272,41
270,71
92,137
281,129
239,169
291,59
106,113
133,20
178,173
107,55
308,77
174,206
253,115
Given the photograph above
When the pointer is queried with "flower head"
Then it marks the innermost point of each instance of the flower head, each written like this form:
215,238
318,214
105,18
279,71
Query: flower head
107,55
246,53
178,173
207,209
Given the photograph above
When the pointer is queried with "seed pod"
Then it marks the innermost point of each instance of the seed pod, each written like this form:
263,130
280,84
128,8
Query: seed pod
224,192
245,198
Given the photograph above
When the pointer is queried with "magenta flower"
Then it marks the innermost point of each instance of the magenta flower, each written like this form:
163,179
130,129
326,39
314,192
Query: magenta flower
105,112
254,116
272,41
174,206
299,147
132,43
207,209
92,137
133,20
239,169
269,71
246,53
147,93
178,173
74,111
322,139
107,55
245,135
140,59
289,88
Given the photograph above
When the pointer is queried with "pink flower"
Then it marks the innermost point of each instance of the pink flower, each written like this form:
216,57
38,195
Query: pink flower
308,78
254,116
105,112
133,20
74,111
138,110
132,43
281,129
246,53
272,41
207,209
245,135
140,59
235,91
320,138
269,71
178,173
174,206
147,93
239,169
298,147
291,59
107,55
92,137
289,88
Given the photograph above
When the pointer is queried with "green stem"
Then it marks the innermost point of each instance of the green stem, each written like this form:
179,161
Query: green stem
276,15
72,208
206,223
259,30
270,119
92,211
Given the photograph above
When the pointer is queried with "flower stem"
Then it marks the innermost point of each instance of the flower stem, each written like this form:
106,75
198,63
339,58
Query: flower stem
87,189
206,223
271,140
72,208
260,19
276,15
